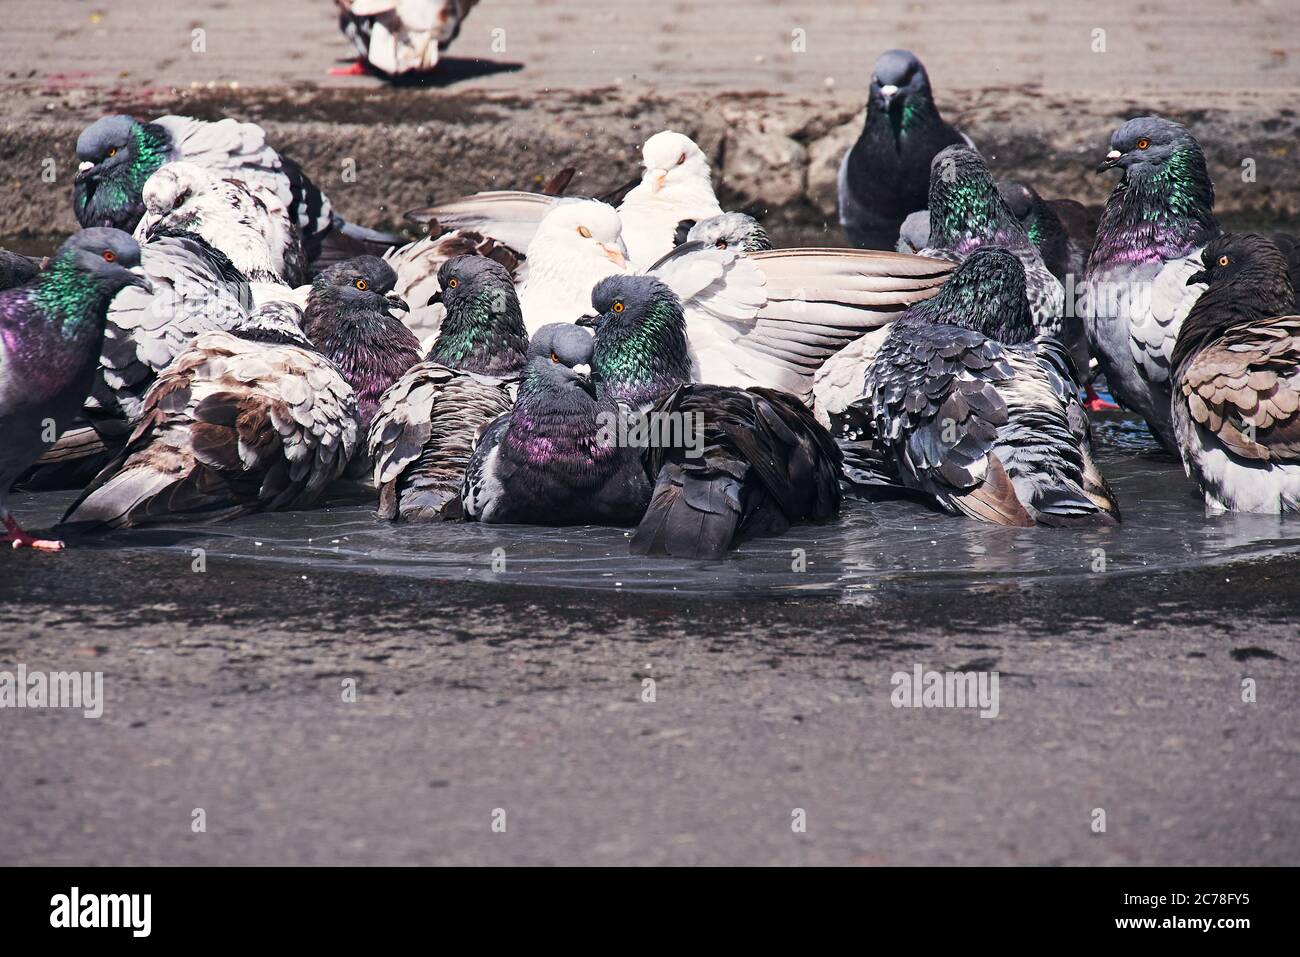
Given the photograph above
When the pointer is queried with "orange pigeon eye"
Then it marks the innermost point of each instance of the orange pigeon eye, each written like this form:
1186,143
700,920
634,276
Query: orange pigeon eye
618,307
584,232
1143,143
362,285
1223,260
453,283
554,357
112,151
110,256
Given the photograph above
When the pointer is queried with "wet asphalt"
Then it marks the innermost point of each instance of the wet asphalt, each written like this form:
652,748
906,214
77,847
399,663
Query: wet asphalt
224,691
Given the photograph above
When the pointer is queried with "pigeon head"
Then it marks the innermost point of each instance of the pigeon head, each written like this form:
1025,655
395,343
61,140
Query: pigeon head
1145,144
641,349
1021,199
72,293
483,330
106,254
986,293
965,207
1247,281
116,156
559,384
736,231
900,91
673,160
1039,219
351,320
585,231
565,343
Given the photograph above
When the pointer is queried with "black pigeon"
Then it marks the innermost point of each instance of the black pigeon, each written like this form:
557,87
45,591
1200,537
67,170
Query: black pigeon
728,464
119,153
1236,379
885,175
50,335
980,414
1062,252
1149,240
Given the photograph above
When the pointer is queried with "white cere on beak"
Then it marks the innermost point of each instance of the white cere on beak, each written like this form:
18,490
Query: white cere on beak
582,369
889,89
85,166
1114,155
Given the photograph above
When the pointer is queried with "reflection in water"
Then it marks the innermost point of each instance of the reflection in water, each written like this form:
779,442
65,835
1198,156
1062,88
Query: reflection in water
869,546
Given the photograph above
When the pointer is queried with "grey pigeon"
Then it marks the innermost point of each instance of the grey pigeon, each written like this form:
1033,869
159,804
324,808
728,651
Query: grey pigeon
885,175
119,153
1236,379
1156,221
16,269
979,413
50,335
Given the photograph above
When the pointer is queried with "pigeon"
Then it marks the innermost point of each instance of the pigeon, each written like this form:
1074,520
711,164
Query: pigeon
119,153
50,335
674,193
421,438
967,212
400,36
195,289
244,222
1062,253
1236,379
1155,223
978,412
349,319
885,175
251,420
577,244
549,461
758,463
16,269
737,231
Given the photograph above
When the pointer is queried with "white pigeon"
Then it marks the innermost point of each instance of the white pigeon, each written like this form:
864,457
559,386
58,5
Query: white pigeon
402,36
251,226
578,243
675,191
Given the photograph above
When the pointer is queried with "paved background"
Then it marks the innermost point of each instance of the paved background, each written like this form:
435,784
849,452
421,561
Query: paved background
1163,45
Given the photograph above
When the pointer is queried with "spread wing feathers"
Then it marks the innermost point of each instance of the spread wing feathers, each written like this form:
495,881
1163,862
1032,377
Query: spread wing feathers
1153,330
983,429
772,318
838,382
765,464
508,216
422,438
230,427
1245,390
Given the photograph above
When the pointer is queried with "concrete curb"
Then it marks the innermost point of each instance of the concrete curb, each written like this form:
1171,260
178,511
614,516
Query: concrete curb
774,155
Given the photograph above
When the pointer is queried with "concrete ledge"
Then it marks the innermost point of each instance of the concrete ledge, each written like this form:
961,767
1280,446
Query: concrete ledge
774,154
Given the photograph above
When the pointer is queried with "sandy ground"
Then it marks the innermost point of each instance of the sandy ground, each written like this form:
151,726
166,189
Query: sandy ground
1162,45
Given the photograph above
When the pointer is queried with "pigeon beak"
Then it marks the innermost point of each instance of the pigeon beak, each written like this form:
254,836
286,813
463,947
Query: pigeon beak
1110,162
83,172
140,281
888,91
584,380
396,302
614,254
589,320
583,370
657,179
436,298
1199,276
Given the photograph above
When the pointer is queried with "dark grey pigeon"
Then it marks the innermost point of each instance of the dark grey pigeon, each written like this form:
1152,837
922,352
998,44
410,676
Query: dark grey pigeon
1236,379
552,460
741,463
50,335
885,175
981,414
16,269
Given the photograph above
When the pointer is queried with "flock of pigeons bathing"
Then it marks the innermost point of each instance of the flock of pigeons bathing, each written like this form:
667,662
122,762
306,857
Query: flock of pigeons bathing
217,341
